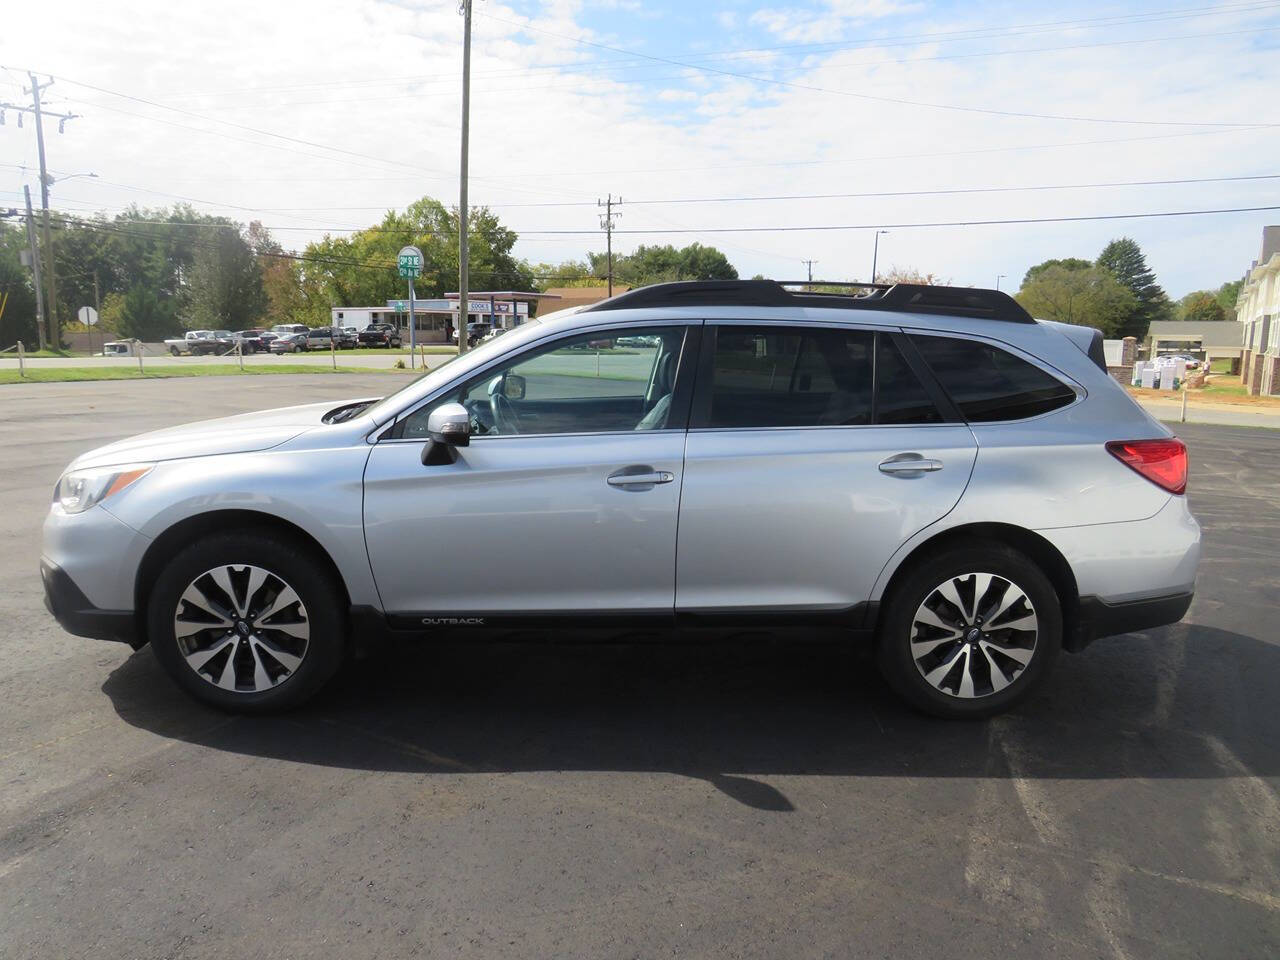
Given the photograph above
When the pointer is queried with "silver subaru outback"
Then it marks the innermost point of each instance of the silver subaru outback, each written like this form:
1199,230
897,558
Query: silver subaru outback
925,469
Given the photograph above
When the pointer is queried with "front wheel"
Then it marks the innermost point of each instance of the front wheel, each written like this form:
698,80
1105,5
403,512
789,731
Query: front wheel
248,622
970,632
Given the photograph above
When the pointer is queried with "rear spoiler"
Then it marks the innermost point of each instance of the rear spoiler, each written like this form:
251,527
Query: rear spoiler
1087,339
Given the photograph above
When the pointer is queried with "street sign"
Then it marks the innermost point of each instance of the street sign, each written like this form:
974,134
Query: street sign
87,315
410,262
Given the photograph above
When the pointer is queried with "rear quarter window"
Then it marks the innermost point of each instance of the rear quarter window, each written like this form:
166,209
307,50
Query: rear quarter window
989,384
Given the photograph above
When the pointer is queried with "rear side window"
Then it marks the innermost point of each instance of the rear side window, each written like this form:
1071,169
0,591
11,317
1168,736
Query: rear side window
785,377
989,384
812,377
900,397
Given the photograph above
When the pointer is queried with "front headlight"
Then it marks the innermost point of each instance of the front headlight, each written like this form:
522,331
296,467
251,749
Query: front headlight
79,490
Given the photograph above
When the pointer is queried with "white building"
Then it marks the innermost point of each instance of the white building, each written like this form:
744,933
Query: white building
1258,310
435,319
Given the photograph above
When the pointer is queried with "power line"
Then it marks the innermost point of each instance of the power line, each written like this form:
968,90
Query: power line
898,101
574,76
906,226
695,200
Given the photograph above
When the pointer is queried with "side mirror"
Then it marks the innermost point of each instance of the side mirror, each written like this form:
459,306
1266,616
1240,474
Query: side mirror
448,426
513,386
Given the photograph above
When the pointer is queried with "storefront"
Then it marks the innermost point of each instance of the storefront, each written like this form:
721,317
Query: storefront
435,319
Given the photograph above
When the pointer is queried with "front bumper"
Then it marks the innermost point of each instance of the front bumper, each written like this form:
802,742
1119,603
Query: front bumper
77,615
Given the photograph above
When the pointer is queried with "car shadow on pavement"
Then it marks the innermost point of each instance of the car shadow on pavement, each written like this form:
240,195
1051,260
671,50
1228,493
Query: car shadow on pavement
1182,702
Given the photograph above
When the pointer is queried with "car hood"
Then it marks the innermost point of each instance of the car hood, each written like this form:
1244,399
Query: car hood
243,433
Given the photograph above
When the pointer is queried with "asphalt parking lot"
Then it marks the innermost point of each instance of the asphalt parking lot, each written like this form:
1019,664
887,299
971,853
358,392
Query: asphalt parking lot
636,801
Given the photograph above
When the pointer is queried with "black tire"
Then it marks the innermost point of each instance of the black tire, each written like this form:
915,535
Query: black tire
300,569
175,351
918,584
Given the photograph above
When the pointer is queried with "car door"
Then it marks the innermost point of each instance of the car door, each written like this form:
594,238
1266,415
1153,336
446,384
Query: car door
812,454
565,500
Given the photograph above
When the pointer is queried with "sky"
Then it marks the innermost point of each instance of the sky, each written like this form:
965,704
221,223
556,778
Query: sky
861,114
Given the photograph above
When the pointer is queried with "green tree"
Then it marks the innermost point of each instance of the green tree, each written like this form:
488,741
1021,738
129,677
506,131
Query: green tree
1069,263
1125,260
112,311
1227,294
1200,306
360,269
144,315
1088,296
18,322
225,283
567,273
663,263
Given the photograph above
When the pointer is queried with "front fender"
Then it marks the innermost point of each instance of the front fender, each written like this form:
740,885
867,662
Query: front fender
320,491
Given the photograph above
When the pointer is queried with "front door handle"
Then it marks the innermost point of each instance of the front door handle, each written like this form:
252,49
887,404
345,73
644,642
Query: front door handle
909,465
639,477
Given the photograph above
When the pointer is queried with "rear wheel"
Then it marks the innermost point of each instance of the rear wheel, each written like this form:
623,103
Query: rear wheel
970,632
247,622
175,351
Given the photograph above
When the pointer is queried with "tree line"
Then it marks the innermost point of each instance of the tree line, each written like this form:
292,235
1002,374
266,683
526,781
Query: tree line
1117,293
160,271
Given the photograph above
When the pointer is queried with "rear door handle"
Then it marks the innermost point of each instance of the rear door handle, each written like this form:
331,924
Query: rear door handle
626,477
909,465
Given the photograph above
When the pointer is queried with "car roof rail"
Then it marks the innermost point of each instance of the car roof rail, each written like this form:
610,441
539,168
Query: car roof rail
895,297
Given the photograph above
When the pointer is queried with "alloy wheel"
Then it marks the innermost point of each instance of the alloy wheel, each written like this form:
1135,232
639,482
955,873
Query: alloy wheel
974,635
242,628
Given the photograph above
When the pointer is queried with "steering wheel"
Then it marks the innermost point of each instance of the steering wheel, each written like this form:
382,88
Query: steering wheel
505,418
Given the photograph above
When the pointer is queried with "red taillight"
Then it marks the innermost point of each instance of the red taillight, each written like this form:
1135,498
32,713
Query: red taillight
1163,462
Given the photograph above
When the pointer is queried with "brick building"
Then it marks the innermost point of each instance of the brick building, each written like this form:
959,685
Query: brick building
1258,311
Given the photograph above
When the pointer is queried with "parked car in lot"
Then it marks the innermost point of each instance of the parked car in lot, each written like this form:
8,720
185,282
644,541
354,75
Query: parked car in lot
252,341
280,329
320,338
475,331
927,470
288,343
201,342
379,335
345,339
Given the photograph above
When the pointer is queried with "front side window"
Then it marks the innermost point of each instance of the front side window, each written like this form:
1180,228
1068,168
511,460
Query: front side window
601,382
989,384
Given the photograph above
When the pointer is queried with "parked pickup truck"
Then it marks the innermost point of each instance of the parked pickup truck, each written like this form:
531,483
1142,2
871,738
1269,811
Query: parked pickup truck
198,342
379,335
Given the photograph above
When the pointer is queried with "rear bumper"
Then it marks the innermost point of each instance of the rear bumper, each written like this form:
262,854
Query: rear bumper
77,615
1098,618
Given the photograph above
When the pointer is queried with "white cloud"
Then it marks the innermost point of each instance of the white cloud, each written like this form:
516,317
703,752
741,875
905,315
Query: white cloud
544,131
833,22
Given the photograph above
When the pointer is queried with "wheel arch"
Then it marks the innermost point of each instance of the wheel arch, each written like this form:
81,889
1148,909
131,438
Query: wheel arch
185,532
1045,555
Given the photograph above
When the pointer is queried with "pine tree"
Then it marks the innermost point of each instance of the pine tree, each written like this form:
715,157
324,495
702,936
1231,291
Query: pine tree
1124,259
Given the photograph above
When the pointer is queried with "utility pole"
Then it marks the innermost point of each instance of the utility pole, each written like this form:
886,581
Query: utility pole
97,308
51,315
35,266
464,8
606,224
809,264
999,277
875,254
